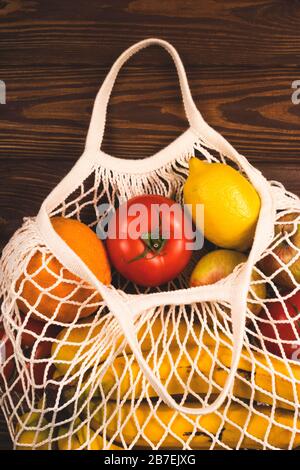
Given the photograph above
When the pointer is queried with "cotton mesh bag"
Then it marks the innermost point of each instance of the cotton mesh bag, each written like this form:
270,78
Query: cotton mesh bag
160,368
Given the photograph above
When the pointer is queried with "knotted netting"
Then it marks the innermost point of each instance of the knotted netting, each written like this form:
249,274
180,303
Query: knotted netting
172,367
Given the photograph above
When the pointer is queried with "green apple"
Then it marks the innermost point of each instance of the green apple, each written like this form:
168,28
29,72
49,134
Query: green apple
219,264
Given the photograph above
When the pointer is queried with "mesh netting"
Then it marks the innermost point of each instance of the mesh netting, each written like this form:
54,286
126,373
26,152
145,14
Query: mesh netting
89,391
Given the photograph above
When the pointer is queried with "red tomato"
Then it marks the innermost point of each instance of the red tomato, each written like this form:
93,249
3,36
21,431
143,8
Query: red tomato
6,352
287,330
160,251
36,327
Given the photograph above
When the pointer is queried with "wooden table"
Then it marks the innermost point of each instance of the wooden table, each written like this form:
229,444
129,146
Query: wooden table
241,58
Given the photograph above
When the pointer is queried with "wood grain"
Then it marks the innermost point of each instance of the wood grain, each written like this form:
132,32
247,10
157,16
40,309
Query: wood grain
48,110
206,32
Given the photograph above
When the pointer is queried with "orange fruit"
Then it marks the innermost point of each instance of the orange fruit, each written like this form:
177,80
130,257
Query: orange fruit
66,295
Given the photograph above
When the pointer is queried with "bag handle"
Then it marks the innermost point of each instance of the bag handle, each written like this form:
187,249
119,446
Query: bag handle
222,291
98,119
236,290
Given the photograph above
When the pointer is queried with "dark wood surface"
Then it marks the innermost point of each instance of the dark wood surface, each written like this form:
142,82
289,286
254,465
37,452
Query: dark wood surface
241,59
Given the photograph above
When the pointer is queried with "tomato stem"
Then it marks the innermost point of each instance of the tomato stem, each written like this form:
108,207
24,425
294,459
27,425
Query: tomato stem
154,243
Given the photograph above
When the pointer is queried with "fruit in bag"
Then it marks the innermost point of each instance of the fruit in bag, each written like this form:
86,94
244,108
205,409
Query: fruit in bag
51,290
218,264
168,429
280,327
148,240
83,436
285,256
231,204
6,357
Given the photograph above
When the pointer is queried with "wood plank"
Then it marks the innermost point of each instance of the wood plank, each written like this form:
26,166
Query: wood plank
27,183
48,110
249,32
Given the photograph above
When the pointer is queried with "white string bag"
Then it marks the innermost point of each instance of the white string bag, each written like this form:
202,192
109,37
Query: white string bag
173,368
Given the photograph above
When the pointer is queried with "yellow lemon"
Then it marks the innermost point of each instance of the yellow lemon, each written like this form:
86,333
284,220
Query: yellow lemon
231,204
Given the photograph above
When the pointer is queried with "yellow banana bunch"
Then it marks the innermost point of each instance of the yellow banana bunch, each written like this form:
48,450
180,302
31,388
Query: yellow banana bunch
170,430
124,378
32,439
70,341
29,441
81,437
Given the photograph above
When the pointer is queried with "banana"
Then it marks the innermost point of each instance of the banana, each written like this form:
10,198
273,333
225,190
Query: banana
71,341
167,429
80,437
32,439
64,443
254,380
29,441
